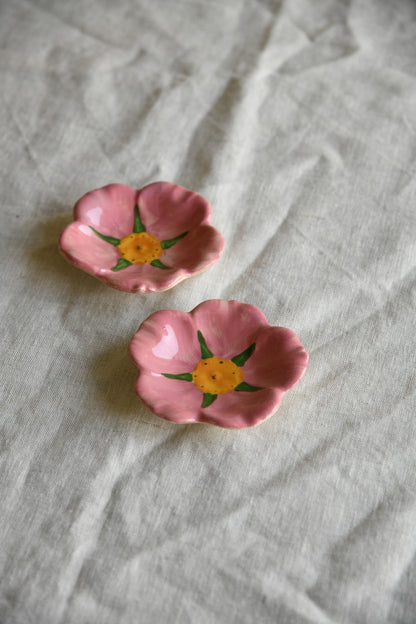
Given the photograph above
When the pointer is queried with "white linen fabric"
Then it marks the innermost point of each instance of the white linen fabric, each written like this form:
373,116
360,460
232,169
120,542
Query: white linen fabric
297,120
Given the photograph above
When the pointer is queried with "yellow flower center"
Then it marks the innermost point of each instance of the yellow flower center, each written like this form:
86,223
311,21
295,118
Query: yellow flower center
140,248
216,375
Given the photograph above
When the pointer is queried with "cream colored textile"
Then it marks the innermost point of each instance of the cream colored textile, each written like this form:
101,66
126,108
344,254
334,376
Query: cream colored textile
297,120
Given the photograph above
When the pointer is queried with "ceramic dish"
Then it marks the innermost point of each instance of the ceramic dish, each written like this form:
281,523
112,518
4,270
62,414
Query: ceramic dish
221,363
142,240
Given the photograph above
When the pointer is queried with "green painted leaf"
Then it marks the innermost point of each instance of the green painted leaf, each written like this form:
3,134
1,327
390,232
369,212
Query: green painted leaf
208,399
159,265
107,239
242,358
138,224
182,376
121,264
205,352
245,387
172,241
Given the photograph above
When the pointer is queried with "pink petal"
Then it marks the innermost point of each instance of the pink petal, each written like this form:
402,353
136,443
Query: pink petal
110,209
229,327
166,342
171,399
168,210
278,361
197,250
82,247
141,278
241,409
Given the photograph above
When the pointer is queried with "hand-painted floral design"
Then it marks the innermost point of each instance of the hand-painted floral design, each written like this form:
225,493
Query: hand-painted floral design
221,363
142,240
217,375
139,247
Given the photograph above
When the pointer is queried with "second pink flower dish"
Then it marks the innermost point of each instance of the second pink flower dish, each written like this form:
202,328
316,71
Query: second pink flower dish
143,240
221,363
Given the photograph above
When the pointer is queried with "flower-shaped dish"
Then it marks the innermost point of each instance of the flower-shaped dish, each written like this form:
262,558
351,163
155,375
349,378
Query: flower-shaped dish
221,363
142,240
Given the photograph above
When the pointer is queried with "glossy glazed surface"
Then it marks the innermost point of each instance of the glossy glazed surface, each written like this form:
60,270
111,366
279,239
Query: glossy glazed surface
142,240
221,363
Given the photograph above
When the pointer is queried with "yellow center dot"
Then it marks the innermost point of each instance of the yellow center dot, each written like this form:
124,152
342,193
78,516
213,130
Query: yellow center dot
216,375
140,248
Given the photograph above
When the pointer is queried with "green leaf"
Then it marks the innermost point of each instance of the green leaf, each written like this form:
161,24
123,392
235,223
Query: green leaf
159,265
208,399
172,241
245,387
182,376
121,264
107,239
242,358
205,352
138,225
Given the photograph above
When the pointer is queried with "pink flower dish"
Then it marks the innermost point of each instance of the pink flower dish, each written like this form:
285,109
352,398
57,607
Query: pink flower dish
143,240
222,363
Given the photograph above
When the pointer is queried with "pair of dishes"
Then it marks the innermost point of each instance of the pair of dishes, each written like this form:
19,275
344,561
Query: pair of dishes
222,362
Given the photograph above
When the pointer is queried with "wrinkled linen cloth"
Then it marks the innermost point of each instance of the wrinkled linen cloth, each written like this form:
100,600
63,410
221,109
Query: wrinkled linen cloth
297,120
